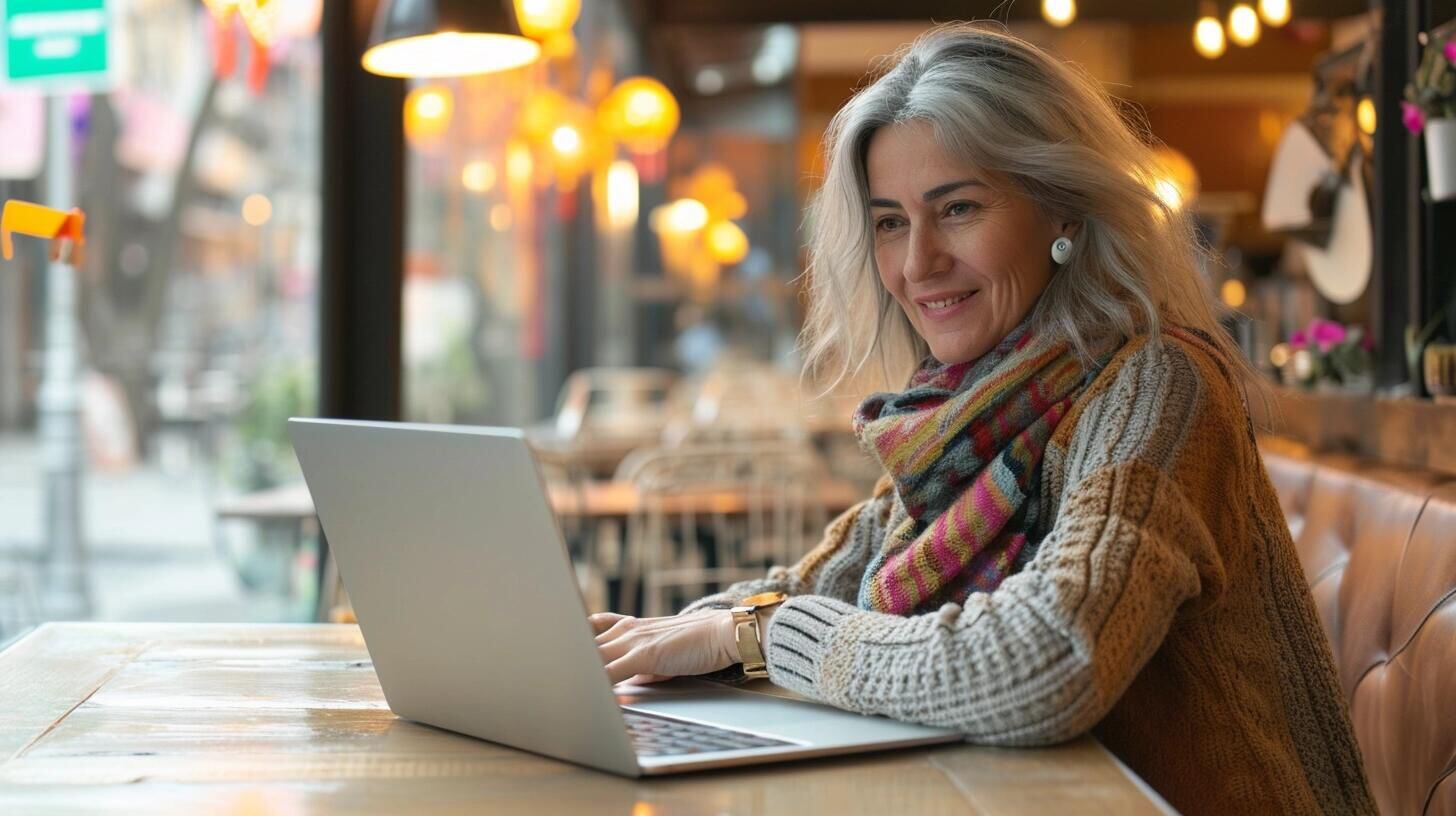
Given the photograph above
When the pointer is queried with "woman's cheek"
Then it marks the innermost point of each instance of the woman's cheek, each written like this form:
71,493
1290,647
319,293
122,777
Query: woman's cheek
888,265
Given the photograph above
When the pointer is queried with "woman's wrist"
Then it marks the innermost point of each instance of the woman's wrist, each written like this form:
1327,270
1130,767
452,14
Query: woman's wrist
727,638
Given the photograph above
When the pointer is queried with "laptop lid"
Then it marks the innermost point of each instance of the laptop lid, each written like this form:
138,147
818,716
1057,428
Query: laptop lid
462,585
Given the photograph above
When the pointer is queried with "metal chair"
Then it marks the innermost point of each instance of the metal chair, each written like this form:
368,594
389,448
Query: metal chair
608,401
737,401
714,514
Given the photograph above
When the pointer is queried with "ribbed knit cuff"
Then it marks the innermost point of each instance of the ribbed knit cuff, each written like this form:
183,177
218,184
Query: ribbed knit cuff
799,638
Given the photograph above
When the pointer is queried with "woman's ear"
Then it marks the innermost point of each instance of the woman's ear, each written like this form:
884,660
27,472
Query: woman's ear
1071,228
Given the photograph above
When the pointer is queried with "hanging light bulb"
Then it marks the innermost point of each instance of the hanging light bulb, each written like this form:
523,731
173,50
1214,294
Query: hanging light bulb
1243,25
1274,12
1208,37
1233,292
726,242
427,113
1365,116
685,215
566,141
622,194
641,113
440,38
1059,13
540,19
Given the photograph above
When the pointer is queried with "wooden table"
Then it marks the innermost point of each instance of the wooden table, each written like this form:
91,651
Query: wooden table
245,719
591,499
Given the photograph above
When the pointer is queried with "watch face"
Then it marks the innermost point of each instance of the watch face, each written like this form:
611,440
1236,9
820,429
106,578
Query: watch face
764,599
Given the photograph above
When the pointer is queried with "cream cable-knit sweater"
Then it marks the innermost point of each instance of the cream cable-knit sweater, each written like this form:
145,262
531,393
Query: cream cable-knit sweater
1165,610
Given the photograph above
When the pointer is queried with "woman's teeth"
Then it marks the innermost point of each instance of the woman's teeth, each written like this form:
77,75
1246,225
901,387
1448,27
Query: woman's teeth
941,304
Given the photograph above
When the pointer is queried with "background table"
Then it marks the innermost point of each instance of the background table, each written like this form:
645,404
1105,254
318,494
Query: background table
284,512
244,719
293,504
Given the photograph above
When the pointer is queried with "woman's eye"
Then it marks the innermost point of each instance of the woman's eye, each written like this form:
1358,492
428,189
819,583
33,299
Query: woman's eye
887,224
959,208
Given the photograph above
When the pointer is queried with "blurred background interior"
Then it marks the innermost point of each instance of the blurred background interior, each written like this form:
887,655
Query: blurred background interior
604,246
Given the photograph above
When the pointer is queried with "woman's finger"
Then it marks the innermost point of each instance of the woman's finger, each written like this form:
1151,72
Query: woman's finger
620,627
628,665
610,652
646,679
602,621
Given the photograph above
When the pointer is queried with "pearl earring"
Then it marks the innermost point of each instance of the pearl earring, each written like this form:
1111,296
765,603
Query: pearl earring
1061,249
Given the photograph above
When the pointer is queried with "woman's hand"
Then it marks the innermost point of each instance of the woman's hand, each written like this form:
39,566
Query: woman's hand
648,650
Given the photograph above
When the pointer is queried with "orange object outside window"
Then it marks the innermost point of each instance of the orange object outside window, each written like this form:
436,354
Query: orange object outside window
64,229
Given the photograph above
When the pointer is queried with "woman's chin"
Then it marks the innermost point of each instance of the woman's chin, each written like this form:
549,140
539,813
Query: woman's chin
953,353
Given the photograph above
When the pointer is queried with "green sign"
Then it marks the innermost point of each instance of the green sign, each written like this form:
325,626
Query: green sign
58,44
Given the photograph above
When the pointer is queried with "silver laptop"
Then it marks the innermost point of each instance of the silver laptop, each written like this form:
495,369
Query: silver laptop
468,603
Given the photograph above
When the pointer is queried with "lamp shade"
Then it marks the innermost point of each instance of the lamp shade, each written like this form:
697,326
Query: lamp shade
444,38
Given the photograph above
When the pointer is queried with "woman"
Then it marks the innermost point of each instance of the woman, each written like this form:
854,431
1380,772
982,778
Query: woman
1075,531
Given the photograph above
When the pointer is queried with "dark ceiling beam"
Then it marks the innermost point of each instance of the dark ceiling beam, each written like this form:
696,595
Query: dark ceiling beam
756,12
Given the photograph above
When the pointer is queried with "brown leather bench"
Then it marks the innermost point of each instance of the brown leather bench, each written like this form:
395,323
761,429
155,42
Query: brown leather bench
1378,546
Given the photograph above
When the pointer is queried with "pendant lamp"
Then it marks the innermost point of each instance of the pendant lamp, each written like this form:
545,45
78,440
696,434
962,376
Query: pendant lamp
445,38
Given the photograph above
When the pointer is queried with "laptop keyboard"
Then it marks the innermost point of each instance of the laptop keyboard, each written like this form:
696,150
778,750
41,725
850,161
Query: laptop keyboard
661,736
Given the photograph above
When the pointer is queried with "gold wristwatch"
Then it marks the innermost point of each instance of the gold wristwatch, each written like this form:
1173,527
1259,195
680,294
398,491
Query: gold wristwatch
746,634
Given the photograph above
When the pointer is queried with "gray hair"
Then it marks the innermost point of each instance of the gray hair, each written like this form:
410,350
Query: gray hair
1008,107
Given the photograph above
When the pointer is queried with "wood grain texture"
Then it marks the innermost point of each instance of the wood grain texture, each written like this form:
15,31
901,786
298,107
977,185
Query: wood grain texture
244,719
1401,432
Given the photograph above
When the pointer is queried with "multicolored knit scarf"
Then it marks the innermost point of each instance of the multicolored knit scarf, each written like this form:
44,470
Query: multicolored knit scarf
963,445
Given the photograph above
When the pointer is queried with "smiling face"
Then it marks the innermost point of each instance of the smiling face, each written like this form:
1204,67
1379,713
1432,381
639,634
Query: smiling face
964,254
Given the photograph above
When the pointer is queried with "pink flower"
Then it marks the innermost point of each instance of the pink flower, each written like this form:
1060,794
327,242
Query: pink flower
1298,340
1326,334
1411,117
1450,51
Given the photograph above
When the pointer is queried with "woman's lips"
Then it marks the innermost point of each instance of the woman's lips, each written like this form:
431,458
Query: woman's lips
946,306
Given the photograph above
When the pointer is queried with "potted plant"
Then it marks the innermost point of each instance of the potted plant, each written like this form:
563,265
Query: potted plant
1328,355
1430,106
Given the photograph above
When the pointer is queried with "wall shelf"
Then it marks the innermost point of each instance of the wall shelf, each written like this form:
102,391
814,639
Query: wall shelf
1401,431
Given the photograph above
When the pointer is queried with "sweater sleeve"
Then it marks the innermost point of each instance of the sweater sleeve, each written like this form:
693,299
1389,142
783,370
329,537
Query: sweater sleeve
1046,655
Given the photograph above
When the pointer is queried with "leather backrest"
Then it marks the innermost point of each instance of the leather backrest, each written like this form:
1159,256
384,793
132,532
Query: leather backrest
1404,707
1292,477
1378,547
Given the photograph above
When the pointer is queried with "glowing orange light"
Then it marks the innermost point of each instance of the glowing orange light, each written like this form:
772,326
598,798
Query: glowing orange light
641,113
540,19
1208,37
1233,293
726,242
427,113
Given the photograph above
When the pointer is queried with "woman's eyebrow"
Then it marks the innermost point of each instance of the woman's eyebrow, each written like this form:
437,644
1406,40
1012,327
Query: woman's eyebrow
932,194
936,192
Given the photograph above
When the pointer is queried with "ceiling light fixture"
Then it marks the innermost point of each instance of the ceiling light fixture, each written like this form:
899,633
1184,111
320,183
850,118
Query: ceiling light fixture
443,38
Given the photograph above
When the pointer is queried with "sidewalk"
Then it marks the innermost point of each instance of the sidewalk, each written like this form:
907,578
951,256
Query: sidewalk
151,539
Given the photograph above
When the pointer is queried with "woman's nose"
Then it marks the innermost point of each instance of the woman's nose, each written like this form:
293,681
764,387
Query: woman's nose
926,257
